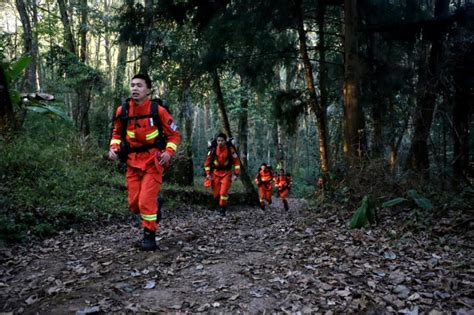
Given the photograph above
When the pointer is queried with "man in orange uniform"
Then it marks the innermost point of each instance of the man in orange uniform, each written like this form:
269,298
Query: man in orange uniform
146,136
283,183
218,168
264,179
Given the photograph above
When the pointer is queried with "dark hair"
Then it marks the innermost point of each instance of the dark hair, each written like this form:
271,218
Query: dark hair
144,77
221,135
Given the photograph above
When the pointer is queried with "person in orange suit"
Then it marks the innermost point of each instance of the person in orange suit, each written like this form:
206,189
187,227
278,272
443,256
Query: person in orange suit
283,183
264,181
146,136
222,157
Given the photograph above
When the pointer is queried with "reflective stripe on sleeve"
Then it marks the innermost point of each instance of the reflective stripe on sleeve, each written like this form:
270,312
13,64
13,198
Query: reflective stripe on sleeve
172,146
131,134
115,141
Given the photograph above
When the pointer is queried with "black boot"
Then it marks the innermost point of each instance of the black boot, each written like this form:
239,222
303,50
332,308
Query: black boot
222,211
149,242
285,205
262,205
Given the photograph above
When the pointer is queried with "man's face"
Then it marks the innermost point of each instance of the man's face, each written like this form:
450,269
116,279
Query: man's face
139,90
220,141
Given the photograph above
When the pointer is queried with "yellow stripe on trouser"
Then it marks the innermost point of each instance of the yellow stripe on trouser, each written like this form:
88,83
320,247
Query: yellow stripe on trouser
149,217
224,197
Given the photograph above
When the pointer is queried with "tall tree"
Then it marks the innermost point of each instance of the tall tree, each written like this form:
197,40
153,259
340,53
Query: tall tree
31,48
243,124
148,39
7,116
310,85
354,124
120,73
224,120
464,99
83,29
68,36
84,77
423,115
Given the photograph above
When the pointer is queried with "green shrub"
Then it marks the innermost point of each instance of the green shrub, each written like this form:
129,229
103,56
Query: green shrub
50,179
44,229
364,214
414,197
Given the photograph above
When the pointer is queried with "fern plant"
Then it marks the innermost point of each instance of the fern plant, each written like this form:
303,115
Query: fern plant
35,101
412,197
364,214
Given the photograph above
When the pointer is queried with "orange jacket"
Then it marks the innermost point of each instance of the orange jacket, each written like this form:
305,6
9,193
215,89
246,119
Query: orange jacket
263,177
220,164
283,181
142,131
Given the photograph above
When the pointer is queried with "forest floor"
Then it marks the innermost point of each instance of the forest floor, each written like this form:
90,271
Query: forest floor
252,261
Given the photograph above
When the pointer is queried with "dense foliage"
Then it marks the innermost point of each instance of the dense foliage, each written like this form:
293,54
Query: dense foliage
52,180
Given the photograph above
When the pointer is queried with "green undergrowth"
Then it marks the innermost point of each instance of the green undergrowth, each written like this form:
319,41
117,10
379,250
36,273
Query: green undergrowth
51,180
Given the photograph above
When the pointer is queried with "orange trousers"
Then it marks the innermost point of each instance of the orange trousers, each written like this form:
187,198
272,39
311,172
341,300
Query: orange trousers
220,187
265,191
283,193
143,188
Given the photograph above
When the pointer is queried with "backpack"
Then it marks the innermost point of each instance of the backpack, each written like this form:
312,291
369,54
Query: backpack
212,145
160,141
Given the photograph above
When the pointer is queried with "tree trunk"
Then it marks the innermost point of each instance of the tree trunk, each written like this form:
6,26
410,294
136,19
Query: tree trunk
68,37
354,138
83,31
30,47
207,129
243,126
84,90
84,95
35,49
462,111
220,104
119,76
149,41
246,181
323,87
376,99
418,159
187,112
187,118
315,106
7,116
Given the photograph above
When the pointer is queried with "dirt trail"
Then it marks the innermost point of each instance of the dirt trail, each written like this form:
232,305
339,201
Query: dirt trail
250,261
